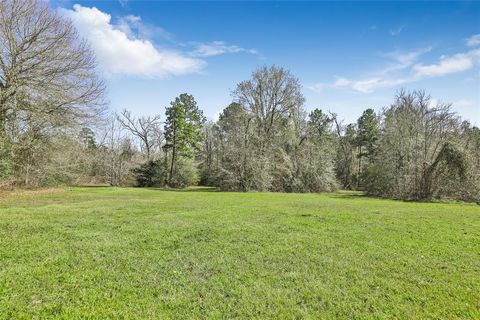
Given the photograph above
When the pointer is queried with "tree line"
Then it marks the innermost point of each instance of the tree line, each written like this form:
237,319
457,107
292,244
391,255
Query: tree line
55,128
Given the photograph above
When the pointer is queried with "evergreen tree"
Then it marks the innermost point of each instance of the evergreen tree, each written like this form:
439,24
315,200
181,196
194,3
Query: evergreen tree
368,131
183,132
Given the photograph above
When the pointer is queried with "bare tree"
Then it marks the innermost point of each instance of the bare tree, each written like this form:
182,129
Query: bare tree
116,151
147,129
46,69
48,82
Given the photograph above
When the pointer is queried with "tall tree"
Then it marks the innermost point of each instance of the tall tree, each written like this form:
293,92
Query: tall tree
236,132
183,130
368,131
272,95
47,80
273,101
44,65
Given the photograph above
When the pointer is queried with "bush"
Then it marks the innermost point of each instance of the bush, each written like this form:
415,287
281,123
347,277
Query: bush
185,174
147,175
376,182
155,174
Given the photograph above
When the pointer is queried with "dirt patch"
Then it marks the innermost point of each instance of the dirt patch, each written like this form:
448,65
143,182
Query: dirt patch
26,192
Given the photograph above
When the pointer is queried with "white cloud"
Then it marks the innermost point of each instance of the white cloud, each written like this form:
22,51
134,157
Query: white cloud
403,60
397,31
392,76
216,48
127,24
386,77
473,41
368,85
120,51
134,27
448,64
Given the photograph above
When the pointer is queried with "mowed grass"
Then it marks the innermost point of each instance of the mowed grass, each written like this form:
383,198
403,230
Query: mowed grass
145,253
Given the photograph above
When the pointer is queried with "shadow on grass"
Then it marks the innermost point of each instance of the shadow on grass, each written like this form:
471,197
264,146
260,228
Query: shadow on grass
188,189
94,186
347,195
360,195
343,194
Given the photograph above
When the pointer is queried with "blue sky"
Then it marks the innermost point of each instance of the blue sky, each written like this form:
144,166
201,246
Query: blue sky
349,56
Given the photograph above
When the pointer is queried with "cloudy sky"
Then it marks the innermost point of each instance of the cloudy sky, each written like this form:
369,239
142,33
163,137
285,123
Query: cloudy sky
348,56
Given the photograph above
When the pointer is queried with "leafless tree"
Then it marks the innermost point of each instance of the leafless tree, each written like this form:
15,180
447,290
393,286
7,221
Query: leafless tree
117,152
145,128
48,82
46,70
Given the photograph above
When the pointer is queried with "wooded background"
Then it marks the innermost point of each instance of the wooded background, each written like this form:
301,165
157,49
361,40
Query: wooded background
56,129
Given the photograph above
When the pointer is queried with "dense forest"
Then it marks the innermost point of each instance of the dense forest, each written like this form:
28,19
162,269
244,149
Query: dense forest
56,129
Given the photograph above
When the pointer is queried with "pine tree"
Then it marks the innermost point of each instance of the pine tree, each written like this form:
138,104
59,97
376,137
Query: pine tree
183,132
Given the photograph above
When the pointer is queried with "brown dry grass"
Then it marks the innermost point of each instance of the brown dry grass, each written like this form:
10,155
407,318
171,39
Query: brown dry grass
13,192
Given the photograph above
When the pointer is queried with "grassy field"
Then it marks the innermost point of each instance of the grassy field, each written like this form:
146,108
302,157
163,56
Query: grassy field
144,253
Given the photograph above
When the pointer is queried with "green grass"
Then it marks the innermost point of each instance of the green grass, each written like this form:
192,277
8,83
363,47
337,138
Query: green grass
145,253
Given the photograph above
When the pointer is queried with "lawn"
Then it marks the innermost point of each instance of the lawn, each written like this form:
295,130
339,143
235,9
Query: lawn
146,253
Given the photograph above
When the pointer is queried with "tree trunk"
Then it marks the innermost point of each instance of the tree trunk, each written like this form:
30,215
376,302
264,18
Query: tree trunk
3,112
173,161
359,173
